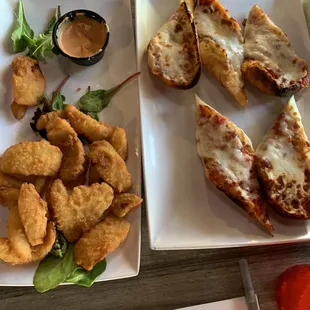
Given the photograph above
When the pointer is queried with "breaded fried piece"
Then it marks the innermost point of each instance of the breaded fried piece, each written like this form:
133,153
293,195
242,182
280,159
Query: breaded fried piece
31,158
28,81
8,255
9,181
123,203
61,134
8,196
46,118
81,179
18,110
119,141
103,239
40,251
110,166
33,213
37,181
17,235
94,176
86,126
46,193
80,211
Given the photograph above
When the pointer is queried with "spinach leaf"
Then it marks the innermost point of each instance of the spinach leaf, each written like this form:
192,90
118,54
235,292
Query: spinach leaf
56,103
58,100
53,270
60,246
93,115
21,30
95,101
87,278
42,45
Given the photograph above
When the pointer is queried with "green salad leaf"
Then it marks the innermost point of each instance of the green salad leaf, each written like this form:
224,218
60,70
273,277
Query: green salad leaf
60,246
58,100
87,278
42,45
96,100
51,24
54,270
21,30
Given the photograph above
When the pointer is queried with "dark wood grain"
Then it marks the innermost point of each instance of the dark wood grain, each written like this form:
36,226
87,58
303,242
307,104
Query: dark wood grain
170,280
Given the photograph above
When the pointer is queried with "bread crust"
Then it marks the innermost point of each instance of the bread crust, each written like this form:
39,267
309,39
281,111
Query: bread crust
286,193
258,75
270,58
256,208
214,56
215,59
160,65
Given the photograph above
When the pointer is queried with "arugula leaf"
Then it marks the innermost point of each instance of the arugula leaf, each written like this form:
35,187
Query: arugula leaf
87,278
21,30
54,270
95,101
51,24
42,45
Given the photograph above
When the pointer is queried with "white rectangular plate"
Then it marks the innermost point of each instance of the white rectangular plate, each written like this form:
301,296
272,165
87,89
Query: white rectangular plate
118,63
184,210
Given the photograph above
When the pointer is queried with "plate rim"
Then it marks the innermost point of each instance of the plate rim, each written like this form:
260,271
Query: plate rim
136,269
153,239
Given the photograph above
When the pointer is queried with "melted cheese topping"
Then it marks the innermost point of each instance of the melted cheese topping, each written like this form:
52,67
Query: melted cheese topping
173,52
219,141
285,168
210,24
266,43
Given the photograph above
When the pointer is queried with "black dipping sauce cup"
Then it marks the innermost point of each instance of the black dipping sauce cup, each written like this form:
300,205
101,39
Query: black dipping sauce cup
70,16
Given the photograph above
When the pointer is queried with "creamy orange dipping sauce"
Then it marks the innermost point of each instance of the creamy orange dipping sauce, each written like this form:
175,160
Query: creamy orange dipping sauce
82,37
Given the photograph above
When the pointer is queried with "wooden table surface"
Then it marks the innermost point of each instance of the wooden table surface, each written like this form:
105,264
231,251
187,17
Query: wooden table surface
170,280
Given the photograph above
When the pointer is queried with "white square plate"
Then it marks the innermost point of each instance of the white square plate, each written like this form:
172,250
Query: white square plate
184,210
118,63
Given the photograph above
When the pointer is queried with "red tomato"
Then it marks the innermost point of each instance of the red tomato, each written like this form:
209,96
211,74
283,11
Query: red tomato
293,288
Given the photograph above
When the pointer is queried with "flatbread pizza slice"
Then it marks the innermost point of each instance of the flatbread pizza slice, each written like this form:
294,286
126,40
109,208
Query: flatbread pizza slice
229,162
173,53
221,46
270,62
283,164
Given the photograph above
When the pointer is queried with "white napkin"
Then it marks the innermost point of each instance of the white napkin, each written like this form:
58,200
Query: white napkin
230,304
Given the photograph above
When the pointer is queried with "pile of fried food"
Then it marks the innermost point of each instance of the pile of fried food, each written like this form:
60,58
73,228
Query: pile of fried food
35,178
202,32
